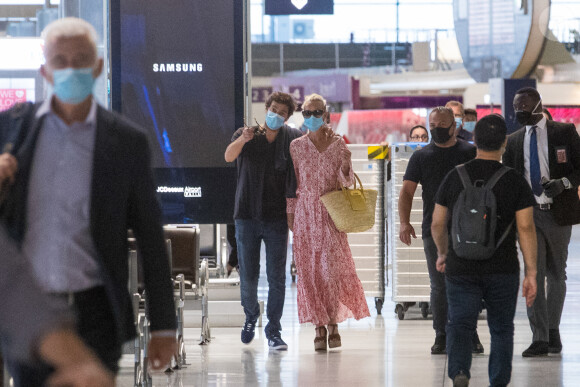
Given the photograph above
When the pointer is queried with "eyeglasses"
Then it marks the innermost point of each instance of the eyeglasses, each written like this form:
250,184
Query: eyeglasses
308,113
420,138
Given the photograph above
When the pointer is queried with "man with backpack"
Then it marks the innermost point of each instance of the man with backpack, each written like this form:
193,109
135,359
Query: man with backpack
487,203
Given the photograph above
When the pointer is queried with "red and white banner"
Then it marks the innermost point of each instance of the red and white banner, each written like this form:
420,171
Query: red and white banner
9,97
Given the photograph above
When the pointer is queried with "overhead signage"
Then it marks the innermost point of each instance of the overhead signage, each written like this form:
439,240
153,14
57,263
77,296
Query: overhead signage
299,7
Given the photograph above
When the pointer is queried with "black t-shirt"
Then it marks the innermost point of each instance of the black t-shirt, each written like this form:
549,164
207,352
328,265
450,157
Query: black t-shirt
512,193
265,176
274,194
428,166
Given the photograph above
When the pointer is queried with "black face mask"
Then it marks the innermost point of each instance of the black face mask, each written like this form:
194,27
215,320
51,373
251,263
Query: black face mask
440,134
524,117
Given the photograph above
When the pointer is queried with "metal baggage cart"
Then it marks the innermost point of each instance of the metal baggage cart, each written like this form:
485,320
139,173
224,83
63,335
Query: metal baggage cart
411,283
368,249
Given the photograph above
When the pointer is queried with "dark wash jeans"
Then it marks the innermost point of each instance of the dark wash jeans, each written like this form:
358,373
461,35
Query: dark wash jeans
249,235
464,295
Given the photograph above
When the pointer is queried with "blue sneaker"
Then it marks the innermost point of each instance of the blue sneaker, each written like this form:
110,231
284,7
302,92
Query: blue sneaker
248,332
276,342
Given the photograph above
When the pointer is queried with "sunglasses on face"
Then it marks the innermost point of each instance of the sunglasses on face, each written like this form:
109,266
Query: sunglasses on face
420,138
309,113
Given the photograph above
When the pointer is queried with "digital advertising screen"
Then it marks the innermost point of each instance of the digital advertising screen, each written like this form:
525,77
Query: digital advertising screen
177,71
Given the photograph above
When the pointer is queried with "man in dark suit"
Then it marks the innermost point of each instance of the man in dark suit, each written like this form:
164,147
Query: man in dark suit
547,153
83,179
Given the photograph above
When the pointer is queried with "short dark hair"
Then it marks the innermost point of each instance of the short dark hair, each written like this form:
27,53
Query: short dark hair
415,127
530,92
284,99
472,112
443,109
490,133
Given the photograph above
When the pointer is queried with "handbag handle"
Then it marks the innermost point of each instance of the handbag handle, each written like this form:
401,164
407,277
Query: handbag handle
356,178
361,189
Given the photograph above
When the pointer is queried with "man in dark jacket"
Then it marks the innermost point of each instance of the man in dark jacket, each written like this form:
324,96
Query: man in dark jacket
83,179
547,154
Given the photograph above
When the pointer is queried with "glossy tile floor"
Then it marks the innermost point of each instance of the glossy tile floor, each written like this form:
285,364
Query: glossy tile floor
376,351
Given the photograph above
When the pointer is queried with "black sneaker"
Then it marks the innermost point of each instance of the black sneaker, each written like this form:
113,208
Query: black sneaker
460,380
476,346
276,342
439,348
248,332
538,348
555,344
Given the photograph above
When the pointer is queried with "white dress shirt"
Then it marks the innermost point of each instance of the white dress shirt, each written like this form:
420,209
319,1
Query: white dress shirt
542,140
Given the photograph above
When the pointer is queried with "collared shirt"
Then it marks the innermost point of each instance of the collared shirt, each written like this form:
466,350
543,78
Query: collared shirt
58,241
542,139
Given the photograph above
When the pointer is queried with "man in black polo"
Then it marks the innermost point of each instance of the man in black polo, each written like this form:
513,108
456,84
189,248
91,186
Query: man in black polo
547,154
496,279
428,166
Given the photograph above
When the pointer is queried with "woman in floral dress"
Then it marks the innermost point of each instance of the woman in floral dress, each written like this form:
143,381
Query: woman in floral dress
329,290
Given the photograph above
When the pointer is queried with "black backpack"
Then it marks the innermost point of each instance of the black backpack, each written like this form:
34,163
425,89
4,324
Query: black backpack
475,217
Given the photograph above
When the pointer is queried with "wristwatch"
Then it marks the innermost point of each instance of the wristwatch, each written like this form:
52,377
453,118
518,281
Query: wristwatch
567,184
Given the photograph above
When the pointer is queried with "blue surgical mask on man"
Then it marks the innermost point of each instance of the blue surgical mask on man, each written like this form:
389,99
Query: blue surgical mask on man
458,121
73,86
469,126
273,120
313,123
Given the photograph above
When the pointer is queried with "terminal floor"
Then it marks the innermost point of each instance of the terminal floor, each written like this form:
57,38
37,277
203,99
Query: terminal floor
377,351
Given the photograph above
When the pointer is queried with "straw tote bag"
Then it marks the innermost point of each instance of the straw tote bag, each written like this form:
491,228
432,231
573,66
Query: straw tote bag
351,210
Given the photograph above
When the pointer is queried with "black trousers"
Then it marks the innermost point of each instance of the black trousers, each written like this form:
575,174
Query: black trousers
96,327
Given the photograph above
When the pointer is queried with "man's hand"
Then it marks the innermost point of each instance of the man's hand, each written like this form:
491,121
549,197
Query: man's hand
88,374
247,135
290,219
529,289
440,264
406,231
553,187
8,168
161,350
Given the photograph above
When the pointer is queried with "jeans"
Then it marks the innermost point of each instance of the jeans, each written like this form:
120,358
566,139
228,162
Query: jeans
464,294
249,235
438,297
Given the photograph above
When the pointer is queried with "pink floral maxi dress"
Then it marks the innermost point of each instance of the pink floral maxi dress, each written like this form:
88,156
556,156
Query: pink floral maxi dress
327,282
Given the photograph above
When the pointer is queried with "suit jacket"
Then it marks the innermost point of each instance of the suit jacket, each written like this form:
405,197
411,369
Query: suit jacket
564,161
122,198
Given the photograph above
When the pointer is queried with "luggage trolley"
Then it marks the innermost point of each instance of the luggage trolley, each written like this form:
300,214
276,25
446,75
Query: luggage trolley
368,249
411,283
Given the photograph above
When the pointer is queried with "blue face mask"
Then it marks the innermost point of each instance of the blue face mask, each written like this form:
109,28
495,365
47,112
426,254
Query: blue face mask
458,121
273,120
469,126
73,85
313,123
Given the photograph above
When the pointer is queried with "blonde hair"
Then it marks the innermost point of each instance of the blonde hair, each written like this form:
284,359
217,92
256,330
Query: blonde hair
312,98
69,27
458,104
